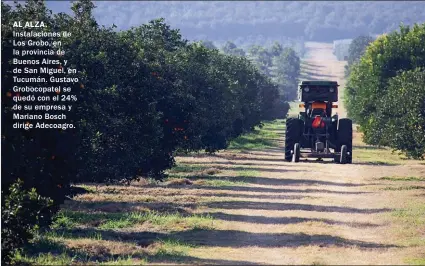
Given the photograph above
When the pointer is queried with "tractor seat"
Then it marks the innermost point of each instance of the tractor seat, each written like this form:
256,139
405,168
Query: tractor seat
318,111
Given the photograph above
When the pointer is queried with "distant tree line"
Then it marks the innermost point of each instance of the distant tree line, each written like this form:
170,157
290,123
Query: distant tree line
386,90
144,94
253,22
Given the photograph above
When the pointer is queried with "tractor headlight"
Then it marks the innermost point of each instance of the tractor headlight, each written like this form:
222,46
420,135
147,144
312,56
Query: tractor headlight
306,89
331,90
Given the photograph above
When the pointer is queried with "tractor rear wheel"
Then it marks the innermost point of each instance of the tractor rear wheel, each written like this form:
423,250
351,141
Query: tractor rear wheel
345,137
294,130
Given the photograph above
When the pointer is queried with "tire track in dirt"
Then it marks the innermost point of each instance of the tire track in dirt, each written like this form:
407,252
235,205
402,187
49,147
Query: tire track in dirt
304,213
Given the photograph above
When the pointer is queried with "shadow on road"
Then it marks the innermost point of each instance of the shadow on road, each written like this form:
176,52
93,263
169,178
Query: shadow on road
289,206
283,220
228,238
274,181
275,190
376,163
253,196
87,208
87,254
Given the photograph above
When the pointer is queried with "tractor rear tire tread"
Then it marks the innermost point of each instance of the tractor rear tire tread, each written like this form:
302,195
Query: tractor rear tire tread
343,156
296,155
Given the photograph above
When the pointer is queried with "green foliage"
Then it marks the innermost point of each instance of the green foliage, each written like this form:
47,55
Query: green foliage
123,108
288,68
401,113
386,92
262,58
23,213
356,50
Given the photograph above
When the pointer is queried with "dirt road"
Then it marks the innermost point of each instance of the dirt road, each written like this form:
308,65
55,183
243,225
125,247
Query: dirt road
321,64
247,205
307,213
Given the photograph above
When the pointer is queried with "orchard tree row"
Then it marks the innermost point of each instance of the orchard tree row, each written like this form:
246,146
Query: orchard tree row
355,51
386,91
144,94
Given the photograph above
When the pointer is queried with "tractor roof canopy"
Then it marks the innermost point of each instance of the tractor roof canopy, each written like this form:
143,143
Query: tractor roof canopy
318,83
318,90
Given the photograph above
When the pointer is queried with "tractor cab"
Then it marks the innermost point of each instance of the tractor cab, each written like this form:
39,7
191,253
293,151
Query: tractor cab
318,95
318,98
